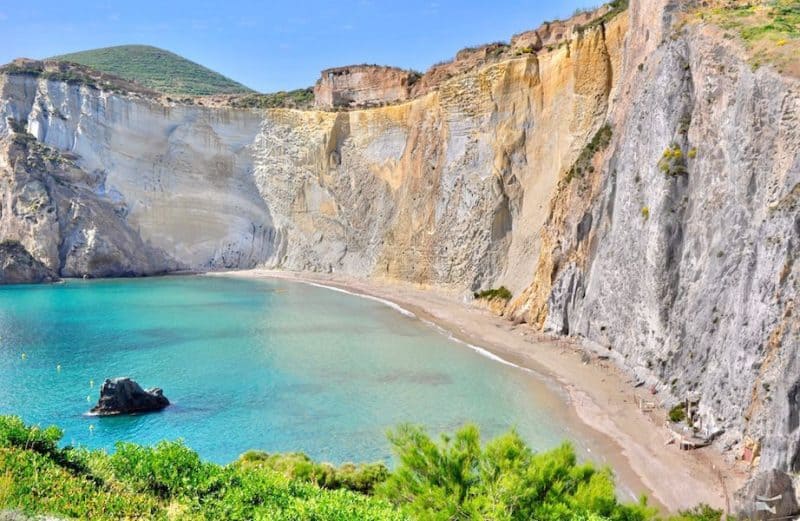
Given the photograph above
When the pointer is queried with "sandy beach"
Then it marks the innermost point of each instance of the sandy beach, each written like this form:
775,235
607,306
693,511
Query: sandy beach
602,397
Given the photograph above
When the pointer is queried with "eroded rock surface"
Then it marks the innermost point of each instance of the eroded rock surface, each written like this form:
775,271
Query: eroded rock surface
363,86
125,396
17,266
64,218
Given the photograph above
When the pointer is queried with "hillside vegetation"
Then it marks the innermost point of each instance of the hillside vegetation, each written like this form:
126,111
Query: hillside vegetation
156,69
770,29
456,478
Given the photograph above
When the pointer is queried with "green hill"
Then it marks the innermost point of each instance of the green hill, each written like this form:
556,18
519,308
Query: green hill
156,69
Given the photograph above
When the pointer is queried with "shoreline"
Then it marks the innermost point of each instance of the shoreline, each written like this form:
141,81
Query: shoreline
600,395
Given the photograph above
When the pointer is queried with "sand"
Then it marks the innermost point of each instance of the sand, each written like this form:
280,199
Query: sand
600,394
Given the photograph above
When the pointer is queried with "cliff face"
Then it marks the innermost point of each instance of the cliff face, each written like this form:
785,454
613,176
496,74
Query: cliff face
362,85
635,185
18,266
677,255
178,179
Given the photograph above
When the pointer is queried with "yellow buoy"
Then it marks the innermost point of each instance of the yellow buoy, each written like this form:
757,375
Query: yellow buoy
24,356
91,384
91,428
88,398
58,368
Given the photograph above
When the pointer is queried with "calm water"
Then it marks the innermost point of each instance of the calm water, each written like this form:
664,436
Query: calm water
268,365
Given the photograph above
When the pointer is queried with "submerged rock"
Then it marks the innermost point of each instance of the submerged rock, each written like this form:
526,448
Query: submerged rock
124,396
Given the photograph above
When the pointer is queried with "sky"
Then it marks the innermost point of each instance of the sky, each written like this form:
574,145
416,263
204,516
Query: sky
271,46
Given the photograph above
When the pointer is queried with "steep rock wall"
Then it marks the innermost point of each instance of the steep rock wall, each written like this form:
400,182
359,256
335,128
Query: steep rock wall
448,189
182,175
684,269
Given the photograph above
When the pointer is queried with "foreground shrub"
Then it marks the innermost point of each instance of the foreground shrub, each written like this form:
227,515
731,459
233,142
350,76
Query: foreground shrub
14,433
457,479
453,479
167,470
361,478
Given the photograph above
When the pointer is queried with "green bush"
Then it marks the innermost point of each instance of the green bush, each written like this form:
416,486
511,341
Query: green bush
454,479
678,413
501,293
361,478
14,433
167,470
583,164
458,479
165,481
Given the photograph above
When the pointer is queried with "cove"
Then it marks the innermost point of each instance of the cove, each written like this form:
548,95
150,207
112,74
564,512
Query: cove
271,365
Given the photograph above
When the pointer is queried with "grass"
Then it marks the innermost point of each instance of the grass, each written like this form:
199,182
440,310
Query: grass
37,69
770,30
156,69
501,293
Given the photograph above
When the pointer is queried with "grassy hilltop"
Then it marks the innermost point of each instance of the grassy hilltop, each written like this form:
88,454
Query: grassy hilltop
156,69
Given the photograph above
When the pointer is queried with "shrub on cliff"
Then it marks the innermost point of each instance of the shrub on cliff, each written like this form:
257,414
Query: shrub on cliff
502,293
583,164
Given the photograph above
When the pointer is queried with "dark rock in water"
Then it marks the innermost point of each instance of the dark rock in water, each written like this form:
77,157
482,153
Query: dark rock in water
768,495
17,266
124,396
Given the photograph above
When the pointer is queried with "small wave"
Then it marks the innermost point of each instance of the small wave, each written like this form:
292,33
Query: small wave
385,302
449,334
480,350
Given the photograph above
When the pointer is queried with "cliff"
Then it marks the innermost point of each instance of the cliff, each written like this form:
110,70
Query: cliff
362,86
635,185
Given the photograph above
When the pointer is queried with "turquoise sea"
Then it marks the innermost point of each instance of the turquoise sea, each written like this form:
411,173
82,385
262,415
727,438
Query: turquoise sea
271,365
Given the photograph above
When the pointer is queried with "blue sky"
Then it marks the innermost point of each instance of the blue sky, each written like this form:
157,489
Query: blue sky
272,46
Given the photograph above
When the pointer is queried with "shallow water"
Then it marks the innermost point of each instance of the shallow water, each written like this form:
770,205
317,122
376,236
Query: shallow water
271,365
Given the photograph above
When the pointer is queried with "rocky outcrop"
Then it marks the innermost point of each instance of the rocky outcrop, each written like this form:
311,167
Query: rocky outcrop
17,266
363,86
769,495
555,33
64,218
124,396
174,182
